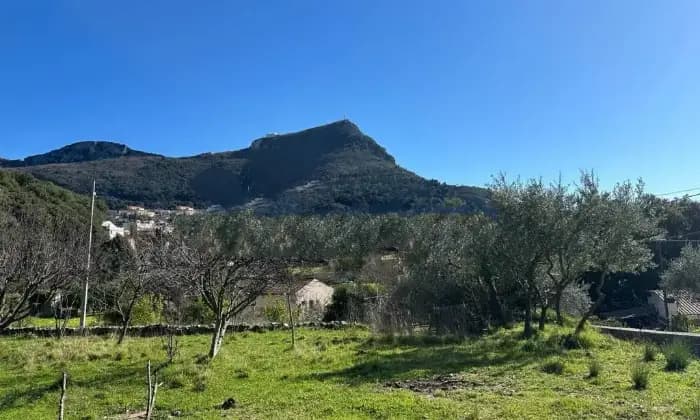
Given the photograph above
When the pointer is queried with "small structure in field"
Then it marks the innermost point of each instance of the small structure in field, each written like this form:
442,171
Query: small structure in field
308,297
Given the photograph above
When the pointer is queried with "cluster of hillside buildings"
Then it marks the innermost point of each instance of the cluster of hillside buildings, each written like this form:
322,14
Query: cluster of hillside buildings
138,219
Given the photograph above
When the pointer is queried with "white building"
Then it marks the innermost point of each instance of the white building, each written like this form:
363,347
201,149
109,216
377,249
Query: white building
149,226
309,296
314,294
113,230
185,210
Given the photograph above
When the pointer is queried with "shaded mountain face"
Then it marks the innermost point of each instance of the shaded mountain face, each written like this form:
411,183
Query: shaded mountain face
83,151
331,168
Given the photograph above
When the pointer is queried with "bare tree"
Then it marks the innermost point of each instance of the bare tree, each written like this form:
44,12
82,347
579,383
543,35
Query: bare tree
37,259
223,260
130,269
62,308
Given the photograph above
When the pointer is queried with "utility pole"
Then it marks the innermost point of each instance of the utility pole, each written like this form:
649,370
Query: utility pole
83,315
664,294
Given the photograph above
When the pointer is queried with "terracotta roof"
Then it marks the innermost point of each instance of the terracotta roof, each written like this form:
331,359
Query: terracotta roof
688,302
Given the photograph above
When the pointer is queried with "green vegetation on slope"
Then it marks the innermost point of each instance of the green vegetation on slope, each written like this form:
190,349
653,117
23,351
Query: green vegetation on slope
331,168
345,374
23,193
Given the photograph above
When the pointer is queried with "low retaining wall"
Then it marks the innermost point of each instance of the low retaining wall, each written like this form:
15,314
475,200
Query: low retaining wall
160,329
659,337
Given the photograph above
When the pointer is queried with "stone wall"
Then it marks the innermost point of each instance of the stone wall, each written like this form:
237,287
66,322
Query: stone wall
658,337
160,330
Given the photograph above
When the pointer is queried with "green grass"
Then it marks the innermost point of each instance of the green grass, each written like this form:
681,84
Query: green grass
342,374
34,321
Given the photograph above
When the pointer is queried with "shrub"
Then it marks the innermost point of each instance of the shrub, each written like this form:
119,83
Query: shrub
545,348
179,380
694,412
147,310
529,346
111,318
200,383
680,323
640,376
585,340
275,312
649,353
197,312
432,340
555,367
350,302
594,368
677,355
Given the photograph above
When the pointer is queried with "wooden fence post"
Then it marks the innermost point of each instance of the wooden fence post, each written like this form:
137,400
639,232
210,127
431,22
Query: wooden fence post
62,403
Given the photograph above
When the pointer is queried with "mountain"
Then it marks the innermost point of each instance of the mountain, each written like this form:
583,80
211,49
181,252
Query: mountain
331,168
83,151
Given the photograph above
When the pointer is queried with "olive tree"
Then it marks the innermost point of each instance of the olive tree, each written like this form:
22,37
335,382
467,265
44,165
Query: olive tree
445,270
568,257
524,232
683,273
617,233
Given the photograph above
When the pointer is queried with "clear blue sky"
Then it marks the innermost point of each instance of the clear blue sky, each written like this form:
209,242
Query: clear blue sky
455,90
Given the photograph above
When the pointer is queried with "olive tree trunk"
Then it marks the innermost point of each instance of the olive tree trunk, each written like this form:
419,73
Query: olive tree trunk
557,305
599,301
543,317
218,338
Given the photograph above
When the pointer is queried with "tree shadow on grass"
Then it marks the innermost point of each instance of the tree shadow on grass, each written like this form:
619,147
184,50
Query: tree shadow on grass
38,385
386,360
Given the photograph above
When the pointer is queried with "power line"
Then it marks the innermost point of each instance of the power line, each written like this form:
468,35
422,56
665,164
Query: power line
681,191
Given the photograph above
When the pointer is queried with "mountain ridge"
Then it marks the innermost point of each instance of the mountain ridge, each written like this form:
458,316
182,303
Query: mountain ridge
81,151
330,168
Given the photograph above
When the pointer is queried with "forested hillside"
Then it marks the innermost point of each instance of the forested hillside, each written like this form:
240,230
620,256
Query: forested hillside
331,168
22,193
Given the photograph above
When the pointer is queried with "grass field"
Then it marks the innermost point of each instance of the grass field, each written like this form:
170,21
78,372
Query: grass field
34,321
344,374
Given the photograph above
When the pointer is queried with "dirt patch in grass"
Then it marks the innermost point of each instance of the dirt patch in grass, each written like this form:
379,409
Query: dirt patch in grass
453,382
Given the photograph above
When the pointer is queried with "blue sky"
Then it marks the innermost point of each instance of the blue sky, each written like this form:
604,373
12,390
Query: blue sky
455,90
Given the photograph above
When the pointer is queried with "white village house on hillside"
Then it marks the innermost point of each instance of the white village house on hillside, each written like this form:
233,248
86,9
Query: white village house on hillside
113,230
